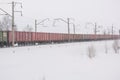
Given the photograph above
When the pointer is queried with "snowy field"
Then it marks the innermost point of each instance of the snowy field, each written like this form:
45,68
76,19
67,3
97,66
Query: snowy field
67,61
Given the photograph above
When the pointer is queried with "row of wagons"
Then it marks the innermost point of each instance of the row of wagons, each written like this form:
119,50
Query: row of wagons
21,37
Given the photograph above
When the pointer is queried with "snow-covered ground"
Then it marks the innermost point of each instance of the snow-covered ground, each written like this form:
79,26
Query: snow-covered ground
67,61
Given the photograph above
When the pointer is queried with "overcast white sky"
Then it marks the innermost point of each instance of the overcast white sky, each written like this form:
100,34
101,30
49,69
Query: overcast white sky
104,12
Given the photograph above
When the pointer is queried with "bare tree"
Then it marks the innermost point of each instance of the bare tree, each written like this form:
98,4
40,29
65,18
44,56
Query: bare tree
6,23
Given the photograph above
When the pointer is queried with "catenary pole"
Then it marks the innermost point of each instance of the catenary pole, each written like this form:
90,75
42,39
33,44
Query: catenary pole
13,24
35,29
68,21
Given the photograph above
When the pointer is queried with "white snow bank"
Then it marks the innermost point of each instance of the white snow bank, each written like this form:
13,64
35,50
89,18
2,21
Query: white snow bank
60,62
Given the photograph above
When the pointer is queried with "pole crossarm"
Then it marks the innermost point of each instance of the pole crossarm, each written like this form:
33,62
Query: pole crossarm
15,3
19,3
42,21
61,20
57,19
19,12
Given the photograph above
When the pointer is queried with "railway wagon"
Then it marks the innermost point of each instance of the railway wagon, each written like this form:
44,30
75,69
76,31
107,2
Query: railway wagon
20,37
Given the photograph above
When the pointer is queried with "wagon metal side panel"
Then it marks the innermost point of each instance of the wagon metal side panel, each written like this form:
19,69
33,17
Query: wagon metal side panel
58,37
47,37
23,36
17,36
43,37
51,36
55,36
38,36
20,36
61,37
33,36
26,36
10,36
29,36
79,37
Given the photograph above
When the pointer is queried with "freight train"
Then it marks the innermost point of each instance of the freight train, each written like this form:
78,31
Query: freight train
27,38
